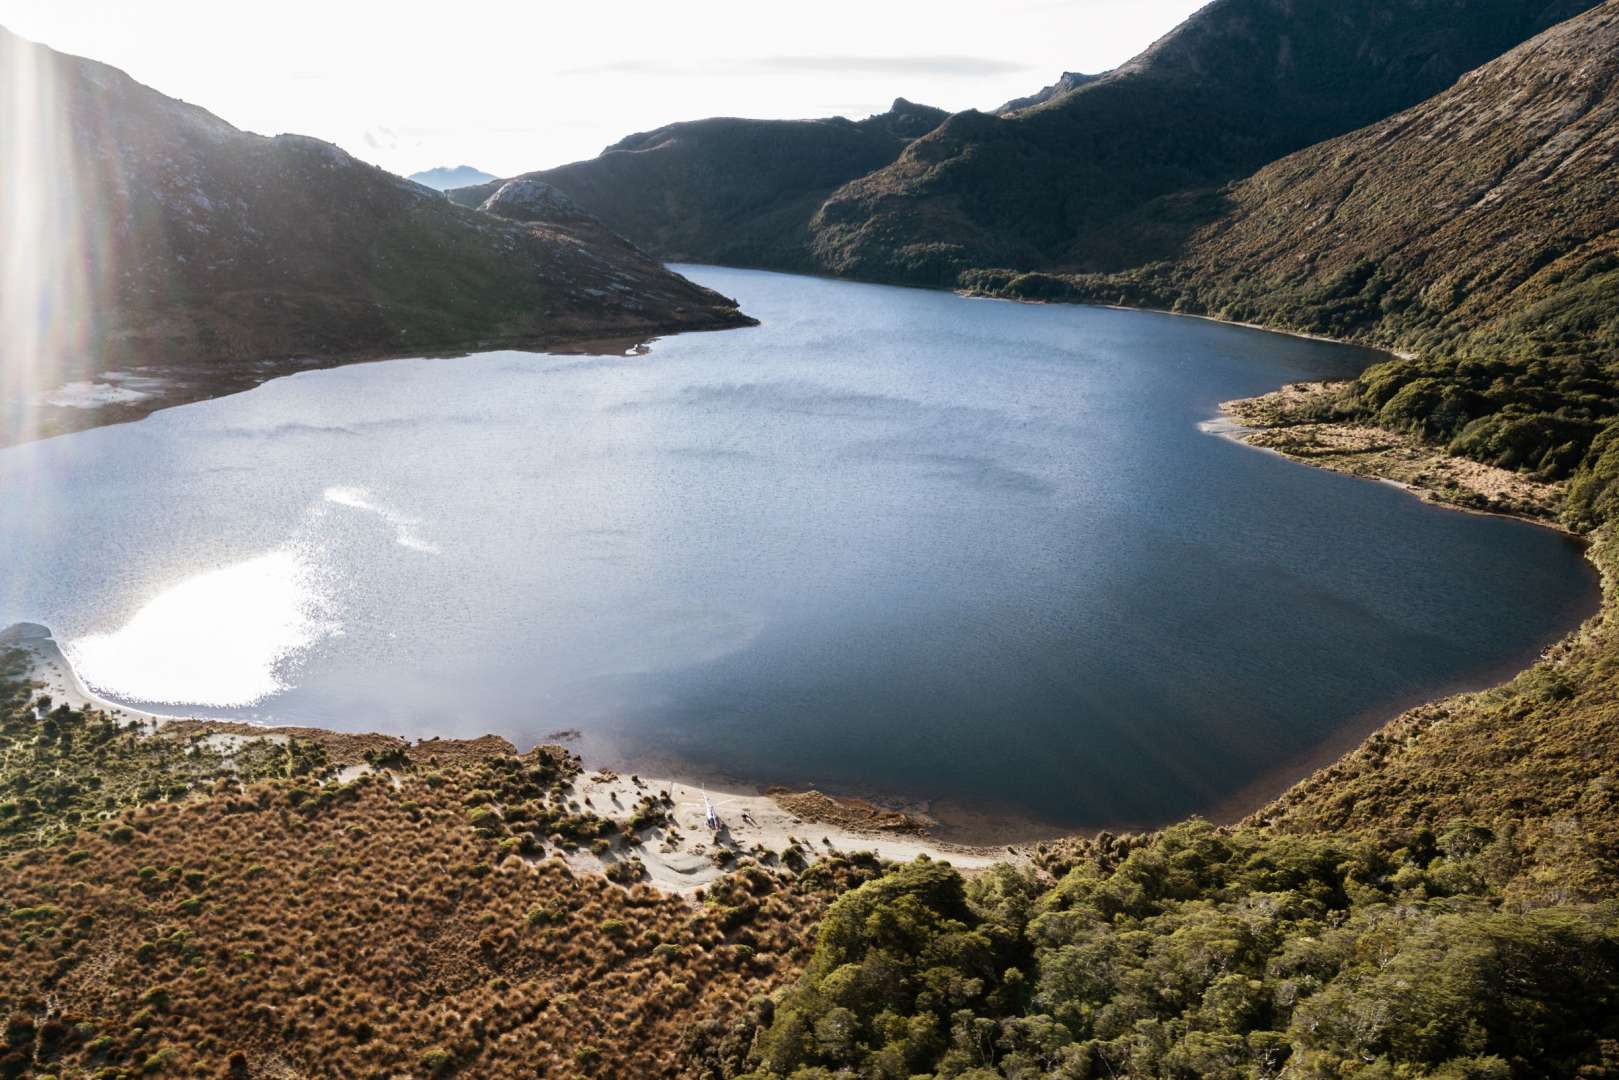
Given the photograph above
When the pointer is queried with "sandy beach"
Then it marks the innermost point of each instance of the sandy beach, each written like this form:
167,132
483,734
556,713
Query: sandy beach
55,676
681,856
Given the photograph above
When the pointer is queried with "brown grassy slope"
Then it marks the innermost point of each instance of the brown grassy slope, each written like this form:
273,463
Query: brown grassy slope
413,922
358,938
1538,756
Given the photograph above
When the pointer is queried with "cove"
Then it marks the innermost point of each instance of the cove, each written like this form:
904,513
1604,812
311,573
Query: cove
895,542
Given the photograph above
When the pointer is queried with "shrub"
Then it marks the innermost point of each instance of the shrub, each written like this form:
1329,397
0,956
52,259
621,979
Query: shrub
436,1061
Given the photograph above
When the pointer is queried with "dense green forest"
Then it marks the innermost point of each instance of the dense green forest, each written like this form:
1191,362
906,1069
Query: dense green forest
1198,953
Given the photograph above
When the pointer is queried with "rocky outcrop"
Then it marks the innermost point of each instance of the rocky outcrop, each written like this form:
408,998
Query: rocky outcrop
530,199
1066,84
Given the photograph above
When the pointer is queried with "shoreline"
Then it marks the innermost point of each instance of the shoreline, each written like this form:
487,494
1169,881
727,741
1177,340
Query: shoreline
972,837
188,385
1304,335
1267,422
55,672
1245,422
681,860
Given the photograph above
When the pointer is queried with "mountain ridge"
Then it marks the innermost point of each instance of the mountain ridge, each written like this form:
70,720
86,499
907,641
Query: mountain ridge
729,189
207,259
1239,84
1066,83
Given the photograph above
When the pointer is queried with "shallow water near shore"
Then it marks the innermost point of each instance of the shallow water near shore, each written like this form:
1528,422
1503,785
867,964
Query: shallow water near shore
973,554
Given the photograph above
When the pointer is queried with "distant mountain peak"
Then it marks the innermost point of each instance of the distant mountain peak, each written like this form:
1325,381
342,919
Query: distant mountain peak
443,178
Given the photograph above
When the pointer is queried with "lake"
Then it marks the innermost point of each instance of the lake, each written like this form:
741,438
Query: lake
975,555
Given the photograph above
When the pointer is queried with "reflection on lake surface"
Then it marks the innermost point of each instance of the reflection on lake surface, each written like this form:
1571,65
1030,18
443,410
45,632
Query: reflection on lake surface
222,637
891,541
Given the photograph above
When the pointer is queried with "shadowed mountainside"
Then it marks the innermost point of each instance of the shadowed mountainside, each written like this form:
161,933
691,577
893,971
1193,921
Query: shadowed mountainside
729,190
1237,85
208,258
1479,229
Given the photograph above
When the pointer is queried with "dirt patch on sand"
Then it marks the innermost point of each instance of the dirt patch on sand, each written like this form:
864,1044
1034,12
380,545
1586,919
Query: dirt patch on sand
856,815
341,748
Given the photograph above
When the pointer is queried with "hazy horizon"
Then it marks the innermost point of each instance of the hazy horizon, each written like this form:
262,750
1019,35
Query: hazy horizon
528,87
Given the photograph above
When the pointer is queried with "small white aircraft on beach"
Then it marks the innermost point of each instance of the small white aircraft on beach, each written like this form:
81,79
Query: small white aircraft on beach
709,816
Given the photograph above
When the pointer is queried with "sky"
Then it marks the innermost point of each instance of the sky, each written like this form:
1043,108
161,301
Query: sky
509,86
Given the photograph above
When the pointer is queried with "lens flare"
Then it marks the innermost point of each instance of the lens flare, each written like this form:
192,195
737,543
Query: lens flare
60,238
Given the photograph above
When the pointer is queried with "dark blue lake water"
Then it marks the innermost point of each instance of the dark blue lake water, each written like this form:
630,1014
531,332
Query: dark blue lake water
891,541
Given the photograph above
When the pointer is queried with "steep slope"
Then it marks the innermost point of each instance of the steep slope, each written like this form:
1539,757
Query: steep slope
1469,211
1238,85
444,178
1479,229
730,190
142,233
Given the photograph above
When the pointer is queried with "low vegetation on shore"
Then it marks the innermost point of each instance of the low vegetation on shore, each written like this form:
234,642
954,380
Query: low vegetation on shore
171,909
208,900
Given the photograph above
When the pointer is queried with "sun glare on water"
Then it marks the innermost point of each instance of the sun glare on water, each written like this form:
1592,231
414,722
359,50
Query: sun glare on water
224,638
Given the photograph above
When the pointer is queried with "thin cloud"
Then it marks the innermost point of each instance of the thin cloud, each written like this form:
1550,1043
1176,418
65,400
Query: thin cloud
941,66
965,67
628,67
